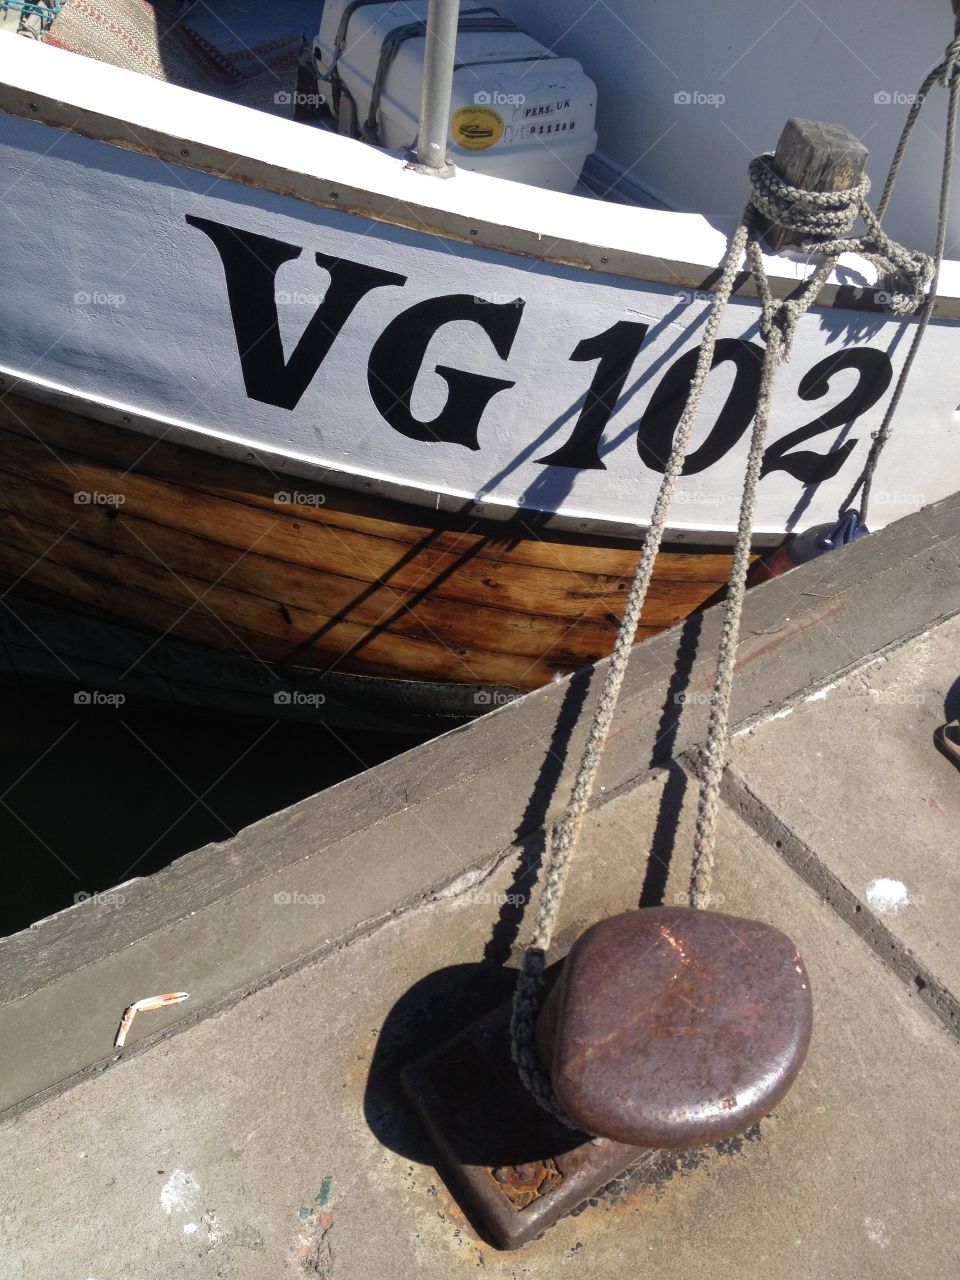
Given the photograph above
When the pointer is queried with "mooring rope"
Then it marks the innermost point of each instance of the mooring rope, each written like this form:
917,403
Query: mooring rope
946,73
830,217
562,840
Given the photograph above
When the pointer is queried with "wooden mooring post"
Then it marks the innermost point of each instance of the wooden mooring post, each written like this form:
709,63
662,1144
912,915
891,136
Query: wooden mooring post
814,155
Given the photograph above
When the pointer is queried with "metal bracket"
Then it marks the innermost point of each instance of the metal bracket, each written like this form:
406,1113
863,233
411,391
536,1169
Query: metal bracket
516,1169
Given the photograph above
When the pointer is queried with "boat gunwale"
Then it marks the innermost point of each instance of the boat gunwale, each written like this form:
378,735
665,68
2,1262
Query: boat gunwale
360,180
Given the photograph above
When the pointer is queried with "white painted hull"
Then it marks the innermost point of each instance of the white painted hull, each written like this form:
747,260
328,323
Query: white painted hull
118,298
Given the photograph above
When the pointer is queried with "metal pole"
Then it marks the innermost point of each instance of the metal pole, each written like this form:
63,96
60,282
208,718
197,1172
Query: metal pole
438,60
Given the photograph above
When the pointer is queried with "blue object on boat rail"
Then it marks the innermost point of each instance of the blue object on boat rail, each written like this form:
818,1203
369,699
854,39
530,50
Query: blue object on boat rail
801,547
45,12
847,529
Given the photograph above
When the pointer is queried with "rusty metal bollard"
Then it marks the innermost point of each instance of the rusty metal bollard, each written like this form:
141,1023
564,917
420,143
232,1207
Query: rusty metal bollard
665,1027
669,1027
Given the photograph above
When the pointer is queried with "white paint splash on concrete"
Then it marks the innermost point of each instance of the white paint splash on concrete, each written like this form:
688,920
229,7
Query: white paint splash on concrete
888,897
179,1192
821,694
214,1229
783,712
877,1232
189,1228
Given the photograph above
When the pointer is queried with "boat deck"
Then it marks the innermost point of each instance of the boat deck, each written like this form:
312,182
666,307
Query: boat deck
330,941
261,41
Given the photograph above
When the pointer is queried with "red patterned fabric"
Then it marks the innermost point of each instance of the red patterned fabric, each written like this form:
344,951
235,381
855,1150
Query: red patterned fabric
134,35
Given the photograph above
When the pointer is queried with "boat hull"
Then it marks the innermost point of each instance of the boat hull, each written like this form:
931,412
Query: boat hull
290,400
244,284
181,543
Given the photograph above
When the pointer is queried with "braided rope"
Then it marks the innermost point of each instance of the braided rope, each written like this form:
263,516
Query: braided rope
946,73
562,839
829,216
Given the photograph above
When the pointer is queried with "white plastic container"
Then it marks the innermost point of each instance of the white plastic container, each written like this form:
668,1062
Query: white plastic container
516,110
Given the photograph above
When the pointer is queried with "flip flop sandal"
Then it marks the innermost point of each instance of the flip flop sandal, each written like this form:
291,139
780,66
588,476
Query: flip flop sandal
947,738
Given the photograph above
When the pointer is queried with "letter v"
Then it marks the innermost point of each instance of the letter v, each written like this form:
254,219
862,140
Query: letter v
250,265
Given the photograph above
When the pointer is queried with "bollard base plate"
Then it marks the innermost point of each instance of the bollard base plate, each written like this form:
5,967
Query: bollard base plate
515,1169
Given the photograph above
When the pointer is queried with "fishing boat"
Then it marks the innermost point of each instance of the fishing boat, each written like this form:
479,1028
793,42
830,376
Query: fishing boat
348,364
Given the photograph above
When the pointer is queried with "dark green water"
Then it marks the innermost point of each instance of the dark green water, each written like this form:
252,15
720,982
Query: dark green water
93,796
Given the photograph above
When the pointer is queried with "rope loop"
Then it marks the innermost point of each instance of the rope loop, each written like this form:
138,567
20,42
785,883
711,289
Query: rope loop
826,219
950,65
814,213
808,213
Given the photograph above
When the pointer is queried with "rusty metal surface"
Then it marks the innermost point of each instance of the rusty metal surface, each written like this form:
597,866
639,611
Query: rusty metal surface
675,1028
514,1168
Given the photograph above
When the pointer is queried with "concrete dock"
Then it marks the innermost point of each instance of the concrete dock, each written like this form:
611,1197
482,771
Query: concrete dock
258,1130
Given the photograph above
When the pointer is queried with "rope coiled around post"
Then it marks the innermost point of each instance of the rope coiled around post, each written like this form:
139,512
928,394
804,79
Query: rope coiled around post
826,219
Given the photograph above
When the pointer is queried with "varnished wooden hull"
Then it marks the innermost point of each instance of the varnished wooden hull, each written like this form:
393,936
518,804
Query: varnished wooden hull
109,523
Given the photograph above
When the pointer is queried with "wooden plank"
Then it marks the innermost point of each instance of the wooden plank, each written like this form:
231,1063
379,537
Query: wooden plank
71,436
815,155
278,533
149,595
199,546
389,655
294,605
